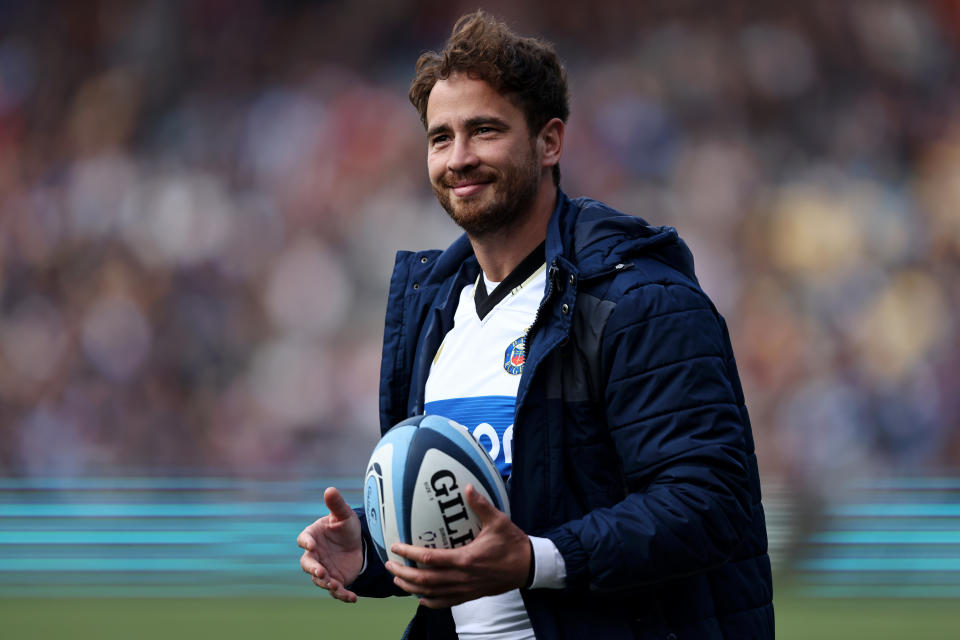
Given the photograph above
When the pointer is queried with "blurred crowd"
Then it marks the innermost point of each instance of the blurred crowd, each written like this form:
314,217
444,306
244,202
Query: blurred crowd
200,202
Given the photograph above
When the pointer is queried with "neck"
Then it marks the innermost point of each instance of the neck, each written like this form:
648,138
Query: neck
500,252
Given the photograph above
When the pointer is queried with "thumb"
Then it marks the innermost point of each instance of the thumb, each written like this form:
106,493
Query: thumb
338,507
480,505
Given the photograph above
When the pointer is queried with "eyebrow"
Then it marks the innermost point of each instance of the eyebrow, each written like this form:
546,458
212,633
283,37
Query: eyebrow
475,121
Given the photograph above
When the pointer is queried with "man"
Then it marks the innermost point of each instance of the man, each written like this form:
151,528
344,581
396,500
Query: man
576,343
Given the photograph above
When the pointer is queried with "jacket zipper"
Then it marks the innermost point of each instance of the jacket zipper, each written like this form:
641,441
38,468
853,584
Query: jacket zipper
551,280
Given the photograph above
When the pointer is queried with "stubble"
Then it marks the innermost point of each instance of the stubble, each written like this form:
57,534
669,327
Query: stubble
514,192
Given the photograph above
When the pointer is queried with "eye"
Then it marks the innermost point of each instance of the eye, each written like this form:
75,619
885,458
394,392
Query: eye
483,130
439,140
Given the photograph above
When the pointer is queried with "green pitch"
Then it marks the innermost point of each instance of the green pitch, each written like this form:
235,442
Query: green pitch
203,618
321,617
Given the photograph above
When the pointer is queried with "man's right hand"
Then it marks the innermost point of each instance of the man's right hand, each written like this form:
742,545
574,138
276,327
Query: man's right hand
333,551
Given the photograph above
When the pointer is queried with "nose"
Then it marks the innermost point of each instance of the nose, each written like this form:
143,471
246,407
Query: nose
462,155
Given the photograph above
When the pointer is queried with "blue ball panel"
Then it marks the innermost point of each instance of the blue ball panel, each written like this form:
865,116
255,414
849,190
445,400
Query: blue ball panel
400,436
373,505
481,462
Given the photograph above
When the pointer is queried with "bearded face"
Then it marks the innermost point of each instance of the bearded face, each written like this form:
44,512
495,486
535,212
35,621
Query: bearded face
501,198
483,161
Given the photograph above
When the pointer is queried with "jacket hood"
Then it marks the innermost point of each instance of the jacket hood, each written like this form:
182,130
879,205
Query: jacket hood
599,237
595,236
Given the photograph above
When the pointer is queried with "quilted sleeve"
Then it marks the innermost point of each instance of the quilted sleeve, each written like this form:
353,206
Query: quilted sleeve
673,415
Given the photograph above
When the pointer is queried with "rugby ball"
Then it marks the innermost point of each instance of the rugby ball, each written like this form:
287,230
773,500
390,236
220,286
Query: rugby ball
415,482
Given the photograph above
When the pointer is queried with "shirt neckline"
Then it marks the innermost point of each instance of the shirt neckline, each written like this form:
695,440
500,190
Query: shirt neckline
528,266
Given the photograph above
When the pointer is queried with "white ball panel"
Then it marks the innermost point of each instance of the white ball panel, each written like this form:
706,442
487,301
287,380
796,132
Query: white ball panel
439,514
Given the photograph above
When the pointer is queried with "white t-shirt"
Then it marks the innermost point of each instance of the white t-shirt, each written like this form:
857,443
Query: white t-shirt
474,380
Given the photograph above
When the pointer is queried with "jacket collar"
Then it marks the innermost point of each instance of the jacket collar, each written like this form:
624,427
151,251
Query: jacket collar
590,235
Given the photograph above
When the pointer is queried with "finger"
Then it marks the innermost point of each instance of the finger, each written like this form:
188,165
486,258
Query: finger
312,566
338,507
410,574
308,537
346,596
306,540
436,596
428,557
481,506
414,588
341,593
427,581
335,589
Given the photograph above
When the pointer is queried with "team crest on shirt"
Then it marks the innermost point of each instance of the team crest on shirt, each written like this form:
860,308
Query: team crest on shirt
515,356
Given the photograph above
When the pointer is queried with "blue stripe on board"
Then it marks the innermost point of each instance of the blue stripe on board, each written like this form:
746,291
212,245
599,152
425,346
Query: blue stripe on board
138,510
884,537
880,564
213,536
170,537
150,537
877,551
884,509
882,578
186,565
896,524
213,523
226,548
175,483
206,578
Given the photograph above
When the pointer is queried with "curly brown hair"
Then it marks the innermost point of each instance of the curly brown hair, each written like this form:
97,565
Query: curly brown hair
526,71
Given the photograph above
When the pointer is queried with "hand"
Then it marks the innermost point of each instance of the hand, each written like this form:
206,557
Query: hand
496,561
333,551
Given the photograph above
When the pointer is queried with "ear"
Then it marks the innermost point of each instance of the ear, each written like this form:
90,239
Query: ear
550,142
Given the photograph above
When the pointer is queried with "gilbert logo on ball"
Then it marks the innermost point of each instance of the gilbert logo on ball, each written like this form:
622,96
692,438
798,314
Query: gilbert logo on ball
415,482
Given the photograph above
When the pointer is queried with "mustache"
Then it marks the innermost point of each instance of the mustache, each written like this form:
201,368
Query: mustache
455,178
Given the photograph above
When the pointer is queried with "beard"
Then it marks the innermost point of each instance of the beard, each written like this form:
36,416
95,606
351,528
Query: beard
501,207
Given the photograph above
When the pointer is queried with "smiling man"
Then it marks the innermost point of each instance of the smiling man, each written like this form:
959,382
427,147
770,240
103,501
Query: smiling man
575,343
486,167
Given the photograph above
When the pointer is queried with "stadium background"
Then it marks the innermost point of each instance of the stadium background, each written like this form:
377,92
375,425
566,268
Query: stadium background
199,205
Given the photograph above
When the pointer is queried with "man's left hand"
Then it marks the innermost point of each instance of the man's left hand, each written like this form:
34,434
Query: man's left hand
496,561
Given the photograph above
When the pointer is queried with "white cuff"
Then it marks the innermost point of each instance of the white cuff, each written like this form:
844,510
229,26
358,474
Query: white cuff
550,571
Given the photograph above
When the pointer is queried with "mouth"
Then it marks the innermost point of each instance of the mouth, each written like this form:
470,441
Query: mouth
465,188
468,189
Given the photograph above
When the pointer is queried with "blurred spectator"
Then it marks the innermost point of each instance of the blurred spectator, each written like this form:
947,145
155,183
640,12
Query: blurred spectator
200,203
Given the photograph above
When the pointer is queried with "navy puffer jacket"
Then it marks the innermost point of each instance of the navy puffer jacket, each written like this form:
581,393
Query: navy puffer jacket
632,447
